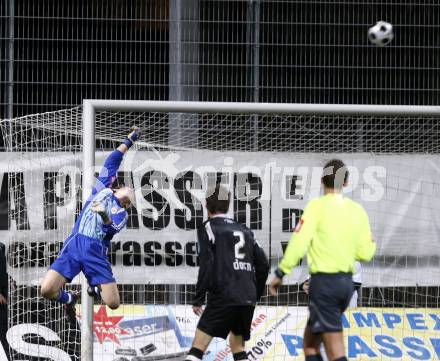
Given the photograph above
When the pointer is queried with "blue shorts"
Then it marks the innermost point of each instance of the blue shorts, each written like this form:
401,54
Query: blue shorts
86,254
329,296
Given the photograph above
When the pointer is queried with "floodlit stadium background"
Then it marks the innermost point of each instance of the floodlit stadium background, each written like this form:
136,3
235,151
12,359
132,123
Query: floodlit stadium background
55,54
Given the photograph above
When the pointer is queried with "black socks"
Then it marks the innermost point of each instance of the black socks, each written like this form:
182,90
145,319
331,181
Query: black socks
240,356
317,357
194,355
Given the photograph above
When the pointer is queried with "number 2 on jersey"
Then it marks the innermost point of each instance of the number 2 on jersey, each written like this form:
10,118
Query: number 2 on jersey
239,245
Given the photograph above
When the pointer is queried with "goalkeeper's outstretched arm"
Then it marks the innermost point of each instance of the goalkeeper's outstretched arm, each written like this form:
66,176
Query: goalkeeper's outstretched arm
132,137
300,240
107,175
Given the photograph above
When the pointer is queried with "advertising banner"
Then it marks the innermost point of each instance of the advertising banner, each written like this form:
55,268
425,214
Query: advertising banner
277,333
40,197
143,333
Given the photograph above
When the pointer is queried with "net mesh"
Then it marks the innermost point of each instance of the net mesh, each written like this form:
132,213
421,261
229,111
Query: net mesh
33,234
154,259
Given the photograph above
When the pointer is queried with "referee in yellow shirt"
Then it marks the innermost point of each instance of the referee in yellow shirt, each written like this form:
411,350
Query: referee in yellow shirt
335,232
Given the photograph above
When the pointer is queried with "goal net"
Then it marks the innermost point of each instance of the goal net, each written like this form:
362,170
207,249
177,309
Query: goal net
272,164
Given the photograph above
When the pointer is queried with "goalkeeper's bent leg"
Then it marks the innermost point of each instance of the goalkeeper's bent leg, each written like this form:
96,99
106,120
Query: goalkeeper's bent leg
52,283
110,295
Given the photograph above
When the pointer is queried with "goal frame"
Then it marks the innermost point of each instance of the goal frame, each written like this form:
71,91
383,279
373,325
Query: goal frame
91,106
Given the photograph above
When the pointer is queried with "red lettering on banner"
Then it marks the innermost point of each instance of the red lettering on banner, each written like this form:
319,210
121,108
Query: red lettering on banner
259,319
222,354
107,326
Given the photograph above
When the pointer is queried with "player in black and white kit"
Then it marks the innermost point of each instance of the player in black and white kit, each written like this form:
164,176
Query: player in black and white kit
233,273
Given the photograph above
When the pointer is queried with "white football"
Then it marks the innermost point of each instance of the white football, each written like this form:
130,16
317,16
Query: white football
381,34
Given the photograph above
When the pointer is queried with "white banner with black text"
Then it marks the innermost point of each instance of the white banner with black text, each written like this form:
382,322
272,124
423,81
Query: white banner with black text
40,196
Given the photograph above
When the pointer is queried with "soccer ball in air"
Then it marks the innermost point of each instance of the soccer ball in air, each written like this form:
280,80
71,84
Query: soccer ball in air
381,34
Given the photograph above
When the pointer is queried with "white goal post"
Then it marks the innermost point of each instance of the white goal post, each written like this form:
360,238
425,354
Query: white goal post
90,107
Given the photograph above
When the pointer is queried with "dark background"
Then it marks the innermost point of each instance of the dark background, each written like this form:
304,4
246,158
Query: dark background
256,51
266,51
305,51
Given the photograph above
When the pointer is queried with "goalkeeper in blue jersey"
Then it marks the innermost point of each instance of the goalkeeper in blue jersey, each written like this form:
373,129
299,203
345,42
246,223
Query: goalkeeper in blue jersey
103,215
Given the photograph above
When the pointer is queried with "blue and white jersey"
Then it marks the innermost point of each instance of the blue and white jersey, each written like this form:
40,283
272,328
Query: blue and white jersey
89,223
92,225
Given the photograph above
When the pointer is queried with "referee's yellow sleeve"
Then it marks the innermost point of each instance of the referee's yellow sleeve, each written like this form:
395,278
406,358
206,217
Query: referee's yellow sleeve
300,241
366,246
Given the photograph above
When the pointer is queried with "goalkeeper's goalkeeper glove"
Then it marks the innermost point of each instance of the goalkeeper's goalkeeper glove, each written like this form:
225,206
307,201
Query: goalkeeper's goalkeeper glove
98,208
132,137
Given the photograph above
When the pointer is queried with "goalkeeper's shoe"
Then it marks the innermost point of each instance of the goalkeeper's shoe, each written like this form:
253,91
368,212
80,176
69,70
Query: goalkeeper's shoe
94,291
70,308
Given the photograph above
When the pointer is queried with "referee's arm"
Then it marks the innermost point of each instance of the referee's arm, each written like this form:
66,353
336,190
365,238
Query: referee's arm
300,241
298,245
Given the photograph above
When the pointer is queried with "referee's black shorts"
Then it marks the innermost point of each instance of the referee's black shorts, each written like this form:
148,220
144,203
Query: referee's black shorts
218,320
330,296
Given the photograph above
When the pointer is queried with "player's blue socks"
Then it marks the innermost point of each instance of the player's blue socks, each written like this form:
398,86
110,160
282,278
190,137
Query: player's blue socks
65,297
